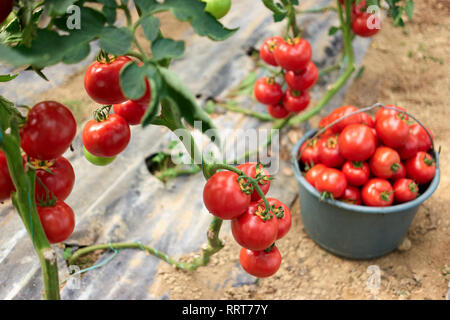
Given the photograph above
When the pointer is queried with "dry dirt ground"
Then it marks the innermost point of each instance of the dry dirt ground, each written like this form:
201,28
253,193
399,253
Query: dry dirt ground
410,70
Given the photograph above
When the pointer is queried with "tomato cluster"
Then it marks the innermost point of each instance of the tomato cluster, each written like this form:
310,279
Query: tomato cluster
227,196
109,134
363,23
367,161
47,133
300,74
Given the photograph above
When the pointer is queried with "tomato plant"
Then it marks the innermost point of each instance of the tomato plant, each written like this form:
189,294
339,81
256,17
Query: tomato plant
278,111
361,26
302,79
267,48
283,214
98,161
296,101
257,171
293,55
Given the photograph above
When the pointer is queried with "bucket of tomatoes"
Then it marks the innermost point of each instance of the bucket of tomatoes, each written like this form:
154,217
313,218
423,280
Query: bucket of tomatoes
362,178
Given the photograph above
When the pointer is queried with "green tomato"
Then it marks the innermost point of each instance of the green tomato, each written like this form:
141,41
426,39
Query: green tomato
218,8
98,161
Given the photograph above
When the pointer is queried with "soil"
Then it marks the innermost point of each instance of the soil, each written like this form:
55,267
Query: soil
407,67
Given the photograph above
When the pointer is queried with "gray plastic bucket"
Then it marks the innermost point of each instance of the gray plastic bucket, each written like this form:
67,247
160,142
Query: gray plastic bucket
352,231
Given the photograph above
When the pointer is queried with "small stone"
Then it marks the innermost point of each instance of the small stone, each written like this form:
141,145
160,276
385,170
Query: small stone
405,245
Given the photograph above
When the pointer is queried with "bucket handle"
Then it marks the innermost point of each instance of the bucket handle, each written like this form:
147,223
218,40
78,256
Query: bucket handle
376,105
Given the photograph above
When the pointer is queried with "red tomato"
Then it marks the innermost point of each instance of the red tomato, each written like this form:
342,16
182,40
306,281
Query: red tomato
361,26
329,152
278,111
133,110
49,131
260,264
393,131
293,55
267,49
284,223
323,123
423,139
263,177
405,190
59,182
313,173
343,112
382,112
303,79
421,168
296,101
251,231
310,152
377,193
58,221
410,148
6,7
352,195
223,196
331,183
357,173
357,142
106,138
358,8
6,184
267,91
400,173
385,162
367,120
102,81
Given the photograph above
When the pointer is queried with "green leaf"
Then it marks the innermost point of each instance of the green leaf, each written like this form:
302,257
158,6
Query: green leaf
67,253
279,17
185,101
115,40
49,47
77,54
7,77
150,25
167,48
409,8
156,87
192,11
132,81
56,8
272,6
333,30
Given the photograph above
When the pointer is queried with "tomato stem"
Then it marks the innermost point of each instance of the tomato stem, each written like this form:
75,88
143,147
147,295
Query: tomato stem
23,199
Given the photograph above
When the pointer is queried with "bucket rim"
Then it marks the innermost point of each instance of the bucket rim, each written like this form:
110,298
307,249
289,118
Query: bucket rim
359,208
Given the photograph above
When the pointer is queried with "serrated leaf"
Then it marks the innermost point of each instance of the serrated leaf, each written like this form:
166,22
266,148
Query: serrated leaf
192,11
7,77
150,25
132,81
167,49
186,103
115,40
409,8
